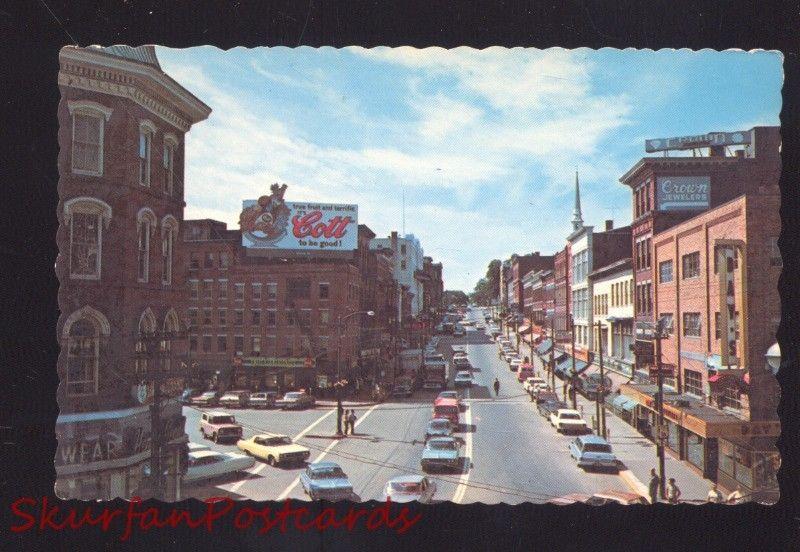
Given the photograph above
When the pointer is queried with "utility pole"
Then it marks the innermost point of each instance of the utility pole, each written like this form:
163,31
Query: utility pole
573,375
601,390
531,336
660,433
338,382
553,351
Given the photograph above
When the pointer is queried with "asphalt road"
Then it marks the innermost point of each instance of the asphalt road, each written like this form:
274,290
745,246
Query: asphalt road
512,454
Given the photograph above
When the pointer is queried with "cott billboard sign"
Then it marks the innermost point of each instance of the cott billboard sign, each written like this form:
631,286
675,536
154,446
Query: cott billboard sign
675,193
698,141
272,223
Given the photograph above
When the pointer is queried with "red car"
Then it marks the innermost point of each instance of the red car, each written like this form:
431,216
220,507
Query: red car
525,372
446,408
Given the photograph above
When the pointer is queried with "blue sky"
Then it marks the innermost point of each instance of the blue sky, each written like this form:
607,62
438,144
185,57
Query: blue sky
484,143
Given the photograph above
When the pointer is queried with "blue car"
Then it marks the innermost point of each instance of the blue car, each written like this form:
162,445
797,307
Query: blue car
592,451
326,481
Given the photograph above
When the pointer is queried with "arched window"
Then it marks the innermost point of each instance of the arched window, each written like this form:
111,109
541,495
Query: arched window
146,228
82,333
170,144
169,229
147,326
171,327
88,129
146,132
85,218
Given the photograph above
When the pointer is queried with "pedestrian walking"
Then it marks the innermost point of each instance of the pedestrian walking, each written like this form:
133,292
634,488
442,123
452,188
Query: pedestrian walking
496,386
352,421
345,421
655,482
340,416
714,495
673,492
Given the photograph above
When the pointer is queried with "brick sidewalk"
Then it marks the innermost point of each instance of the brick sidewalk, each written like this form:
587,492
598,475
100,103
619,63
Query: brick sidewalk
639,454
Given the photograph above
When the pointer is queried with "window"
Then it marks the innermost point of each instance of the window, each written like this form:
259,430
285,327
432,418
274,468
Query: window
272,291
222,317
238,318
193,343
193,285
208,286
208,259
690,265
693,382
238,344
271,345
731,399
222,289
324,317
668,321
222,343
256,289
665,272
322,342
194,262
647,188
146,225
305,318
298,288
402,265
192,318
255,344
691,324
169,163
775,258
146,132
305,345
206,317
86,217
402,249
224,260
735,264
289,318
206,343
88,128
83,356
169,229
288,345
324,291
271,318
255,317
238,292
718,325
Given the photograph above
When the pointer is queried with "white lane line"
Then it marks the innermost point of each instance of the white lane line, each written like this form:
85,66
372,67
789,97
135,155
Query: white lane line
263,465
322,454
461,490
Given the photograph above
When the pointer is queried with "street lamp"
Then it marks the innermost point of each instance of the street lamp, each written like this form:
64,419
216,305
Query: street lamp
774,358
339,384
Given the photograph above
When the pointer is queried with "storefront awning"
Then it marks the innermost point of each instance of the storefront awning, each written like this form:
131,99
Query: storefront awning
621,402
617,379
544,347
564,367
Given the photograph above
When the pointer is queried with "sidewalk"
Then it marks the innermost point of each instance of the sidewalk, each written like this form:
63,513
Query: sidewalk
638,454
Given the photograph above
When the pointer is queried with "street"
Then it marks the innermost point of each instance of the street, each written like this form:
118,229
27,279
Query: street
512,454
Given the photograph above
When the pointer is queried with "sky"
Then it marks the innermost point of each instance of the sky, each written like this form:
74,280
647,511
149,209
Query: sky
482,144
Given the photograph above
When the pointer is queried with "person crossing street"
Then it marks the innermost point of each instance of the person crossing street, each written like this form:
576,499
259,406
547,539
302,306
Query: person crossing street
496,386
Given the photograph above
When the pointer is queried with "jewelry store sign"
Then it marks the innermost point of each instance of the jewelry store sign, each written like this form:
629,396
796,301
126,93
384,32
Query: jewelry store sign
674,193
280,362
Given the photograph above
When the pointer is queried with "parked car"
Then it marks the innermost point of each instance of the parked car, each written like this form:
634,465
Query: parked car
441,453
571,498
566,420
461,362
612,496
234,399
195,447
525,371
208,398
543,394
463,379
549,407
264,399
589,385
219,426
296,400
209,464
592,451
514,364
408,488
402,389
462,406
459,331
527,385
326,480
274,449
439,427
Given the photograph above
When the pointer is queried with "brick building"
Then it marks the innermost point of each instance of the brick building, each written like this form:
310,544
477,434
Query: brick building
562,294
725,177
716,289
433,287
270,321
520,266
122,122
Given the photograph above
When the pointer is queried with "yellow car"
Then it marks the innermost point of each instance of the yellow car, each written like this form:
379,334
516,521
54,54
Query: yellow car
274,449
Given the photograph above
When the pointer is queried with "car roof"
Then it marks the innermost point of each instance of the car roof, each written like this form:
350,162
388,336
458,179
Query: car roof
439,420
204,453
568,411
320,465
441,439
270,435
406,479
462,373
445,401
218,413
593,439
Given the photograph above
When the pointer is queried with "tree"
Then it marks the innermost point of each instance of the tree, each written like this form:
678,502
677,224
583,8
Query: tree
455,297
493,278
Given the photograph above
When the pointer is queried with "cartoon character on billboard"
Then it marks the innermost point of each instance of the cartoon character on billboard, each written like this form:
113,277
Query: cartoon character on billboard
265,222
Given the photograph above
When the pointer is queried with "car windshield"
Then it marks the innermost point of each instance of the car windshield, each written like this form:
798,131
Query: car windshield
442,445
448,395
448,409
596,447
274,441
405,487
328,473
223,420
440,424
570,416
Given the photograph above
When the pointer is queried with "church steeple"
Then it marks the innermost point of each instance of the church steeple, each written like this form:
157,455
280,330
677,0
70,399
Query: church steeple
577,219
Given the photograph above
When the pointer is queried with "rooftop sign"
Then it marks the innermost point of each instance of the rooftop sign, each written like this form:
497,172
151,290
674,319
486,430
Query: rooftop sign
699,141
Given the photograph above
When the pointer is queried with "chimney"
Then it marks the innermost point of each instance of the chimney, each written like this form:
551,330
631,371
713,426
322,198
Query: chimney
609,225
394,241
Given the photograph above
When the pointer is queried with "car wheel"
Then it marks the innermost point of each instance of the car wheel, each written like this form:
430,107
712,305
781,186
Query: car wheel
271,460
203,433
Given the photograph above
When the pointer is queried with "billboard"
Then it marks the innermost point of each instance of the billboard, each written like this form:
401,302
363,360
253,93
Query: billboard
675,193
700,141
272,223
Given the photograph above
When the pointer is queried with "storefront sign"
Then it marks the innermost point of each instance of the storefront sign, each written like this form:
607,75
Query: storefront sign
96,437
370,353
682,192
272,223
667,370
748,429
280,362
726,258
699,141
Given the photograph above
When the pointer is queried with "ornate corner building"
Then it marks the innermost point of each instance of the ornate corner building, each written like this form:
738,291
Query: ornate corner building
122,122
